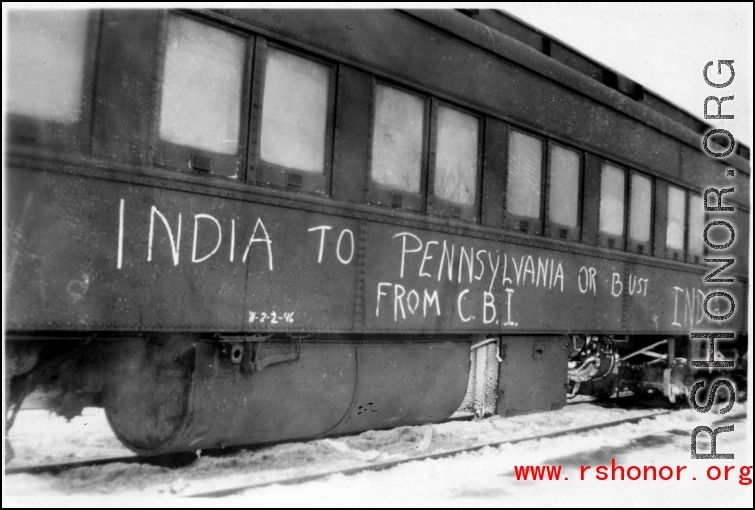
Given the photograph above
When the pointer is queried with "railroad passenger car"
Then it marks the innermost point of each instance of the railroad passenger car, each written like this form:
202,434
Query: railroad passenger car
245,226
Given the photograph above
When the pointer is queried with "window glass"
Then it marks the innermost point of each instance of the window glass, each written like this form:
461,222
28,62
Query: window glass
676,216
612,200
563,195
45,68
397,139
294,111
202,83
696,225
524,174
640,208
456,160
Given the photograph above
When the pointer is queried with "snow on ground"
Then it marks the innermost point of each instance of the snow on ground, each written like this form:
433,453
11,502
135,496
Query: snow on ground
483,478
486,478
40,437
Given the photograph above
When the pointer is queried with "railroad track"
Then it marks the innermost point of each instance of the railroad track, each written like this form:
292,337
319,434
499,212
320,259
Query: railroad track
449,453
59,467
168,460
183,459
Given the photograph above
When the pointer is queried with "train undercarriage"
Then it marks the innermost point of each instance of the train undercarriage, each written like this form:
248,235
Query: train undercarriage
167,393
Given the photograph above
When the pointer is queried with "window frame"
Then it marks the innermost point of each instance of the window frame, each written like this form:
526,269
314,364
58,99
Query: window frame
517,222
263,173
553,229
76,137
439,206
607,240
675,254
633,246
383,195
193,159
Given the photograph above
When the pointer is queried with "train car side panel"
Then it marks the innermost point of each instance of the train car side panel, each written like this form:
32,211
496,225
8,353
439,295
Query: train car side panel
92,254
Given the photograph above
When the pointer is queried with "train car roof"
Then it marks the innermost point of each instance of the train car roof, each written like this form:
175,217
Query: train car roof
535,47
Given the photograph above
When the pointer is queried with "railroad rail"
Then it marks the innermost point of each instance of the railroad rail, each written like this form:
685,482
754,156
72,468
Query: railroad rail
439,455
168,460
180,460
176,460
59,467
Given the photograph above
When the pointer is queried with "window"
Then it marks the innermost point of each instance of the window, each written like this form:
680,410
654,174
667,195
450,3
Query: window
46,63
294,112
455,165
640,213
524,182
50,70
565,169
201,98
676,220
398,147
695,246
419,146
201,89
297,99
612,192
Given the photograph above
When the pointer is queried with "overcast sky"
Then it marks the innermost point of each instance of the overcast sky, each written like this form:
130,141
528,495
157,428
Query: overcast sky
662,46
